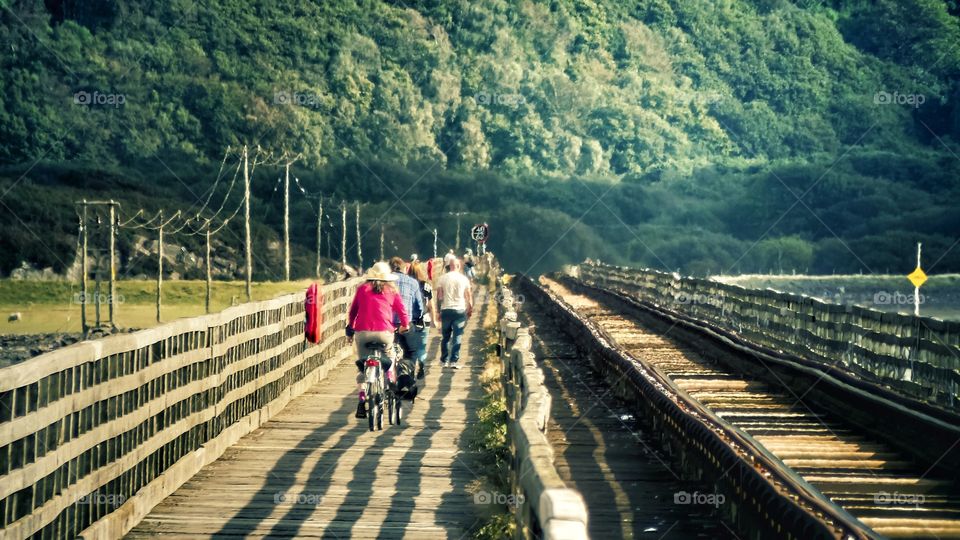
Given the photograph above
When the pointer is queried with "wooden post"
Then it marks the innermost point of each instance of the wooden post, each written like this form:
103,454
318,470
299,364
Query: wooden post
97,276
159,266
382,257
359,250
286,224
83,271
246,227
209,266
343,237
319,233
457,249
113,263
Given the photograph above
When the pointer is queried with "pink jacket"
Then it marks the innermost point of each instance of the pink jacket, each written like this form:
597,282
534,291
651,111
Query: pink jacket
372,312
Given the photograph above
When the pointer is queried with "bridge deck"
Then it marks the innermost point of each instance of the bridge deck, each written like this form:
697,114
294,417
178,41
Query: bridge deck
340,480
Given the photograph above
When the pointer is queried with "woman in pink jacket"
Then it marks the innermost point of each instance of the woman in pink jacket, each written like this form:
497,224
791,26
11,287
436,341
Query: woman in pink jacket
375,306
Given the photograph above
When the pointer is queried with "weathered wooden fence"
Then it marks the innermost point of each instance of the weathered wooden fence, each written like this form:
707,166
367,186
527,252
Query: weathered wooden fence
93,435
918,356
545,507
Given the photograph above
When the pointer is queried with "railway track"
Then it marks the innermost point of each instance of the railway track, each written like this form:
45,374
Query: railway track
870,486
604,451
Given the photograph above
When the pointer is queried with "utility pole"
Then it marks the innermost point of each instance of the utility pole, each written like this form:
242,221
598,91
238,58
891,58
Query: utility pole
286,223
98,296
382,258
246,215
208,265
343,237
113,263
319,233
359,249
83,271
159,265
458,214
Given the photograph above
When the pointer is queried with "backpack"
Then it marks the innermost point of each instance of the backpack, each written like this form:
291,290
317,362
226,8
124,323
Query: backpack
313,308
406,379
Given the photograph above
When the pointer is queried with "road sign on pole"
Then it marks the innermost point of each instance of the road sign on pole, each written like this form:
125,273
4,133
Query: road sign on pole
918,277
480,232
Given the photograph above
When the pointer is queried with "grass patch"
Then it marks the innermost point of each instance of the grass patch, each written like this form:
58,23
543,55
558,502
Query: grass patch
53,306
488,438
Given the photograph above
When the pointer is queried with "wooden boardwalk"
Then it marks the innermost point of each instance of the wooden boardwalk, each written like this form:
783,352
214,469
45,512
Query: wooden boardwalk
316,471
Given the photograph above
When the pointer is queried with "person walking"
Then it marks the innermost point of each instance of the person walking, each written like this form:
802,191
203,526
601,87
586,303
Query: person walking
418,271
412,297
468,263
455,297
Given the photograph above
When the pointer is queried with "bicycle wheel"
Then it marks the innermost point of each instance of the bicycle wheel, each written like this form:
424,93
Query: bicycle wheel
371,405
390,400
399,413
380,411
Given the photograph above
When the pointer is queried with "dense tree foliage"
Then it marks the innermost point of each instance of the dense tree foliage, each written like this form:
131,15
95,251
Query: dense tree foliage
740,135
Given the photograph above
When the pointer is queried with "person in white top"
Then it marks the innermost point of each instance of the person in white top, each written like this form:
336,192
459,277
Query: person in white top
455,297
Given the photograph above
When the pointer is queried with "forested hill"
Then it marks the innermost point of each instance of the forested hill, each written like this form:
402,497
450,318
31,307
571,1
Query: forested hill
736,135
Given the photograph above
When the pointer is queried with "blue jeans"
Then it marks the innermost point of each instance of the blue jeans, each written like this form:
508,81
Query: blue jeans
452,323
414,344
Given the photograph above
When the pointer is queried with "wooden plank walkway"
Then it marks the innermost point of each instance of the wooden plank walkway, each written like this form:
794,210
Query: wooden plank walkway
316,471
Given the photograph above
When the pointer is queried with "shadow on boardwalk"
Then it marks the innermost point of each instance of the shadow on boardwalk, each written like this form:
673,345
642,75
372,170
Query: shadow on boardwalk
408,481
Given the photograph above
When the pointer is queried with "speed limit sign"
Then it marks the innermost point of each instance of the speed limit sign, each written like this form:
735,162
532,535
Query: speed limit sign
480,232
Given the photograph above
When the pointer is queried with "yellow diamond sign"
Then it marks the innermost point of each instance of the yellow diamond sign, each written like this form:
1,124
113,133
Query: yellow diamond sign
917,277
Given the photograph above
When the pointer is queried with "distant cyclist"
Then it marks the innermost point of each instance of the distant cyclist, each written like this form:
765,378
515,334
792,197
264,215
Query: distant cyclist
377,310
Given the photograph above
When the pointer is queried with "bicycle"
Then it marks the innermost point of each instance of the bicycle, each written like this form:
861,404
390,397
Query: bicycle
380,390
374,387
394,403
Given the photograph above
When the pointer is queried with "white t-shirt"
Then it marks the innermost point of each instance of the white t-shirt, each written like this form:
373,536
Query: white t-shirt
453,287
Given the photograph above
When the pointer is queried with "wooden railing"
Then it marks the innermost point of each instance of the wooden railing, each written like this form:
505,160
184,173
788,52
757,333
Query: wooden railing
93,435
545,507
917,356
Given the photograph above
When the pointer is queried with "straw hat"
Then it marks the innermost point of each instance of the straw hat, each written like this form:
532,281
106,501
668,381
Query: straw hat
380,272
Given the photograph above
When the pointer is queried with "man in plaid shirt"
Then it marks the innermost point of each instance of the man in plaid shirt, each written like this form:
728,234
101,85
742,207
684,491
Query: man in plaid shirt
412,298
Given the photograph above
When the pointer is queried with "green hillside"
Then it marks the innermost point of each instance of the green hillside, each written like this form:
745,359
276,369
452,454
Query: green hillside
713,137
